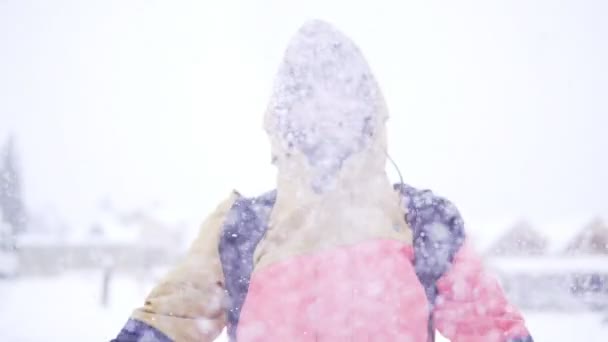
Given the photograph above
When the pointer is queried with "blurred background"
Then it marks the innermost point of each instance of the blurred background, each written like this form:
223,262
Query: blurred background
123,123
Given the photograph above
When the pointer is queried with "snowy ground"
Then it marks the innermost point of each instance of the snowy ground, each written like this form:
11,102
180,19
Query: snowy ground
67,308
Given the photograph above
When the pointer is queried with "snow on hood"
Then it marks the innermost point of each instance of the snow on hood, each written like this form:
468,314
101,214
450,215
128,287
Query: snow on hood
326,124
326,111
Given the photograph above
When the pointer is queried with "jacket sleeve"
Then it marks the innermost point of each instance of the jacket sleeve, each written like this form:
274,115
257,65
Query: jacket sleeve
188,303
472,307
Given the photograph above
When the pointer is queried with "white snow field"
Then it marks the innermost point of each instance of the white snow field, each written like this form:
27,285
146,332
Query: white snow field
68,308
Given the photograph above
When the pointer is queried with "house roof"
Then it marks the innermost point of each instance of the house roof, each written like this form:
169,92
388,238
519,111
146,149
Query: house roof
519,240
592,239
549,264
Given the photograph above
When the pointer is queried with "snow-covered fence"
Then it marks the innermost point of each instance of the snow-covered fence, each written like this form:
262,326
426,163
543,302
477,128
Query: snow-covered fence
558,282
50,259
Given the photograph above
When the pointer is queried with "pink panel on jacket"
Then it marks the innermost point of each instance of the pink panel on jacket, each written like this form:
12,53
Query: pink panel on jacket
471,306
363,292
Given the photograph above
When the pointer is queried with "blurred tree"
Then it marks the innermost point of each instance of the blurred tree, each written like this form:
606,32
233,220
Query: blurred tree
11,203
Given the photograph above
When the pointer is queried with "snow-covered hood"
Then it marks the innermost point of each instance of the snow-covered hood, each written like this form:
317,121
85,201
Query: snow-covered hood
326,117
326,123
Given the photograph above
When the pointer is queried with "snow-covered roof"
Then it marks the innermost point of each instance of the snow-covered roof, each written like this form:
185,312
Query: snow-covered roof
592,239
549,264
559,234
521,239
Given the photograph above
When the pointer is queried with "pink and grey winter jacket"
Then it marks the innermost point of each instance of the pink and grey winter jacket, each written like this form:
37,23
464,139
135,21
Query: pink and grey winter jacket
377,290
335,253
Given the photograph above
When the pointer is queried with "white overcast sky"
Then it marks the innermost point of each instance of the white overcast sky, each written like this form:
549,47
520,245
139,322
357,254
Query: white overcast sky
501,106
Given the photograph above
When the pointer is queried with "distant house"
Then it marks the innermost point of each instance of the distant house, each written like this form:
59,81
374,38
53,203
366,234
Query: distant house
133,245
591,240
540,273
45,256
521,240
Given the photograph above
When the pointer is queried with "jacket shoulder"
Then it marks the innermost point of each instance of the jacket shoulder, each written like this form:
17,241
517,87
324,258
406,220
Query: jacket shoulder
425,208
438,232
